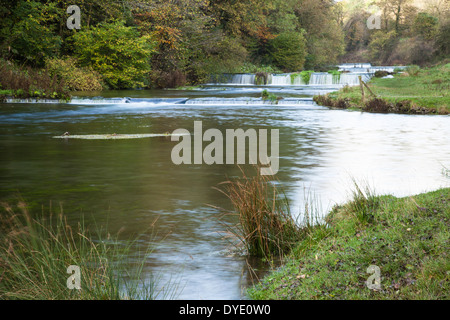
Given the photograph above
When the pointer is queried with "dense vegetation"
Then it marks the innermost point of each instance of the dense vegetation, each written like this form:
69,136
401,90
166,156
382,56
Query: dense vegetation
171,43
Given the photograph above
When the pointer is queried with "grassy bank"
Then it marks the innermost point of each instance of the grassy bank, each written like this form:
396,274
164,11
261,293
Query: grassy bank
35,253
407,238
416,91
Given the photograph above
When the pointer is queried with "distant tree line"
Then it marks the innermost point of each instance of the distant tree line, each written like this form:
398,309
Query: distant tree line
170,43
411,32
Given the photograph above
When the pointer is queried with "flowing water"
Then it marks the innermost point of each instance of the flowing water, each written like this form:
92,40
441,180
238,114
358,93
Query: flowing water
133,184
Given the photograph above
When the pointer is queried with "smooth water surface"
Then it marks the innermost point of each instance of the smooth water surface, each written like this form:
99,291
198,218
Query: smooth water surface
133,185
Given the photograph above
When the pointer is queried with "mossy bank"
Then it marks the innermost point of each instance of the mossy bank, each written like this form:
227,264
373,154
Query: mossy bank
408,239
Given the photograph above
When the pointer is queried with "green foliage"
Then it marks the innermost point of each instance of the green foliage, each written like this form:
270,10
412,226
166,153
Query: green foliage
413,70
426,25
253,68
74,77
288,51
265,95
29,34
228,56
306,75
117,52
336,74
381,45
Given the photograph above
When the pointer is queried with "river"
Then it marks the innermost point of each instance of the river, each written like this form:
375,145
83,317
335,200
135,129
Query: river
129,184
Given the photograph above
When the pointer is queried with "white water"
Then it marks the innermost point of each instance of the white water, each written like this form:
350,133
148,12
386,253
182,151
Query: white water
349,76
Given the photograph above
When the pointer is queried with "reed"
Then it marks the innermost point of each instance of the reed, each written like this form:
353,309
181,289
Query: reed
35,253
265,225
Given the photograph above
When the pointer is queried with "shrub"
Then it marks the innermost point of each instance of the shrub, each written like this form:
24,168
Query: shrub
75,78
117,52
25,82
381,74
414,50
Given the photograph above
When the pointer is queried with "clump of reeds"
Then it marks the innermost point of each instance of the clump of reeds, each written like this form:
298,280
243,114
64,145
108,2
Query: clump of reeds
265,225
364,203
35,253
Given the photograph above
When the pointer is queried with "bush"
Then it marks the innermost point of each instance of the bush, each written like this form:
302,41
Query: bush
117,52
24,82
75,78
288,51
381,74
414,50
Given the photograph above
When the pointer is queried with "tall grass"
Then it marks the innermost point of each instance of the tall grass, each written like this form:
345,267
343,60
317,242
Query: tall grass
265,225
35,253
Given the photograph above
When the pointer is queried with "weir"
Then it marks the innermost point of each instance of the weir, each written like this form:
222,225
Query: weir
349,74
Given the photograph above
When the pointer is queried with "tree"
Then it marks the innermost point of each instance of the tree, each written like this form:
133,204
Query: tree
325,39
117,52
29,34
395,8
381,45
426,26
288,51
443,39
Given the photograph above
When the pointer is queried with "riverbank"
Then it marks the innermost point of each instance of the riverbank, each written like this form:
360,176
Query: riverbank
416,91
406,238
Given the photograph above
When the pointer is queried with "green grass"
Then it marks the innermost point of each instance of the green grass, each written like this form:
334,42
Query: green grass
407,238
428,88
35,253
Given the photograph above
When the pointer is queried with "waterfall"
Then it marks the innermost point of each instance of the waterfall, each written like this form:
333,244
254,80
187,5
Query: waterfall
348,76
281,79
243,79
